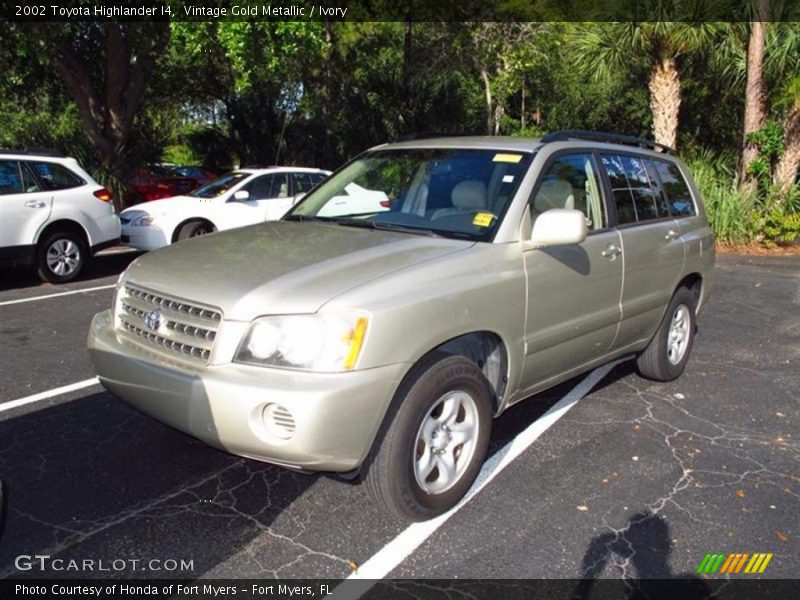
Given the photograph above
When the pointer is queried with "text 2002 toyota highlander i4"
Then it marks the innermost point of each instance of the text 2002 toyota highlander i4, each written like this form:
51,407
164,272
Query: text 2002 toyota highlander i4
382,343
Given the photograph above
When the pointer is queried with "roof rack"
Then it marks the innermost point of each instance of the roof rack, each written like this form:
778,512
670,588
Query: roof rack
36,151
609,138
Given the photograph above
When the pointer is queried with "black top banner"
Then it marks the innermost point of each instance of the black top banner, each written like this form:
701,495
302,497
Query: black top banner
401,10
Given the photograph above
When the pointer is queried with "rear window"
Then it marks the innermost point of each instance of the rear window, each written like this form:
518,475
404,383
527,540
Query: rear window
55,177
676,188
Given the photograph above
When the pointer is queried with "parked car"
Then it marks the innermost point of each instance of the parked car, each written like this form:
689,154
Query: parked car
154,182
201,175
53,215
239,198
382,344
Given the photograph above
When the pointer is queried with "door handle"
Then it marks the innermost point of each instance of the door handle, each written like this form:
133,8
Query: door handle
612,251
36,204
671,235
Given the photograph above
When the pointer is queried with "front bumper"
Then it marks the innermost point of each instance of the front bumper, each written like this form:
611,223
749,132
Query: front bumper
336,416
144,237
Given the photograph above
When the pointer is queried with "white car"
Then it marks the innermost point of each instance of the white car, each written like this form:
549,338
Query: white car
240,198
356,199
53,215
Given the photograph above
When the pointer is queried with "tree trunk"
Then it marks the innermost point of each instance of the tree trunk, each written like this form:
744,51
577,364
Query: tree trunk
487,86
755,111
522,106
789,163
665,100
408,46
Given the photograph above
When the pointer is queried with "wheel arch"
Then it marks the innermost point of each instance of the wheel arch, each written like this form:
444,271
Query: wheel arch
180,225
65,225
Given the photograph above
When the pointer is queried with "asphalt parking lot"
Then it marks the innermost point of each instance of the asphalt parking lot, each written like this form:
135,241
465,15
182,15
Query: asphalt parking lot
637,479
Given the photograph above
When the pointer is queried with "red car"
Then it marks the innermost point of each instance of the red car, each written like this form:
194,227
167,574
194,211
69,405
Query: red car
155,182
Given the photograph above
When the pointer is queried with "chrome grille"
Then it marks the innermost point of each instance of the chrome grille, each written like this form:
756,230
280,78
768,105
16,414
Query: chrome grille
155,321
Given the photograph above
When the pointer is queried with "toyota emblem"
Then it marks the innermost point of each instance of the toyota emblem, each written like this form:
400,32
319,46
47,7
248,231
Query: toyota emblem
153,320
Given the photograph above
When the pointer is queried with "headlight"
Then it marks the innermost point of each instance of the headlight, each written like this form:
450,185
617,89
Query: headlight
326,343
141,221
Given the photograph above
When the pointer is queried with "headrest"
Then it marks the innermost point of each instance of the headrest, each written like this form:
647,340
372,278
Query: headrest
469,194
554,193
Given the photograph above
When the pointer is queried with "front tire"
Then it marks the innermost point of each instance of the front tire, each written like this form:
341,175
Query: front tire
195,229
666,356
61,256
436,441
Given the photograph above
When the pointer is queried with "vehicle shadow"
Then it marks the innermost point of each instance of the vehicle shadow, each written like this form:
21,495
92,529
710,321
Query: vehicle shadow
93,479
101,266
642,548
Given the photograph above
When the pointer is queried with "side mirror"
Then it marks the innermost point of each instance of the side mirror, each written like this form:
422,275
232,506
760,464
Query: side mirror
298,197
241,195
558,227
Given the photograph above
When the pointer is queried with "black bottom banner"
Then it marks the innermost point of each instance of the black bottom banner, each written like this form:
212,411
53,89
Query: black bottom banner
403,589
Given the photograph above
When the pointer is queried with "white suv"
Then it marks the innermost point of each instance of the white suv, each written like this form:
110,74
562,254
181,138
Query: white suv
53,215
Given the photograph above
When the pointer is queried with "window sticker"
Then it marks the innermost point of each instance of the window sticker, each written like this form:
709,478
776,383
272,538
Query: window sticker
483,219
508,179
507,158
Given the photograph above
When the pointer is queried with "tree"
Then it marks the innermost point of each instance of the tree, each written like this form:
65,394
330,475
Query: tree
600,49
501,53
105,67
784,58
755,109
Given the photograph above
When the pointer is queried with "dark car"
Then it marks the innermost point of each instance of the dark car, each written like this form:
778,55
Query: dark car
155,182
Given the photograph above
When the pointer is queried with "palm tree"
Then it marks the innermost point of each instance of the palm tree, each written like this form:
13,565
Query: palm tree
784,59
599,49
755,106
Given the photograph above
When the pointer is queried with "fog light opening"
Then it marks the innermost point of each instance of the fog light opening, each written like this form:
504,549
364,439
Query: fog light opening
278,421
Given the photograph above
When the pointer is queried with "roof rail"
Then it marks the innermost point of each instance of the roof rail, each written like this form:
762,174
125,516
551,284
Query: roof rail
37,151
609,138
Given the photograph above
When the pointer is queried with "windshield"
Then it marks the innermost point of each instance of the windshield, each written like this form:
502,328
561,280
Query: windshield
220,186
451,192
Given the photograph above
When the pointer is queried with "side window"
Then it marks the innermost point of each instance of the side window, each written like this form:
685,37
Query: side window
571,181
678,194
634,195
10,179
56,177
317,178
29,181
302,182
261,187
280,185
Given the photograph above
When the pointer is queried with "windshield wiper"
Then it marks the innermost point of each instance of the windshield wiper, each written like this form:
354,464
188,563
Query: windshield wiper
304,218
384,226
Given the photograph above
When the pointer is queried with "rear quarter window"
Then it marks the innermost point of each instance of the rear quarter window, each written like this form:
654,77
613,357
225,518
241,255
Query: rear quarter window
677,190
55,177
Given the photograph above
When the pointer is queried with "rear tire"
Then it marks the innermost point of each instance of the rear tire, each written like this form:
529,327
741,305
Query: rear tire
195,229
666,356
60,256
436,440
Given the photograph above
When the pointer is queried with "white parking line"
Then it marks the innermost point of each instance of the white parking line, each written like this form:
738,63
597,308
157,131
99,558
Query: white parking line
64,389
82,291
397,550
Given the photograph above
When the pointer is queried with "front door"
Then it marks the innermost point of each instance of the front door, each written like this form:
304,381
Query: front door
573,291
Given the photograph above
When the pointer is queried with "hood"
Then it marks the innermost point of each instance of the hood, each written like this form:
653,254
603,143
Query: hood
281,267
171,204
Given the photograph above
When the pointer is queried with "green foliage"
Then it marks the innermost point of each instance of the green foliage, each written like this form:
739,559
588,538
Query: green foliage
769,140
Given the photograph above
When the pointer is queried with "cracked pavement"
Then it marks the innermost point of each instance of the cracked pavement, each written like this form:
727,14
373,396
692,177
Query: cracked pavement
639,480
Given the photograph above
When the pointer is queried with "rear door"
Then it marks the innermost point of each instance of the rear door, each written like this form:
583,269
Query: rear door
652,249
24,206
